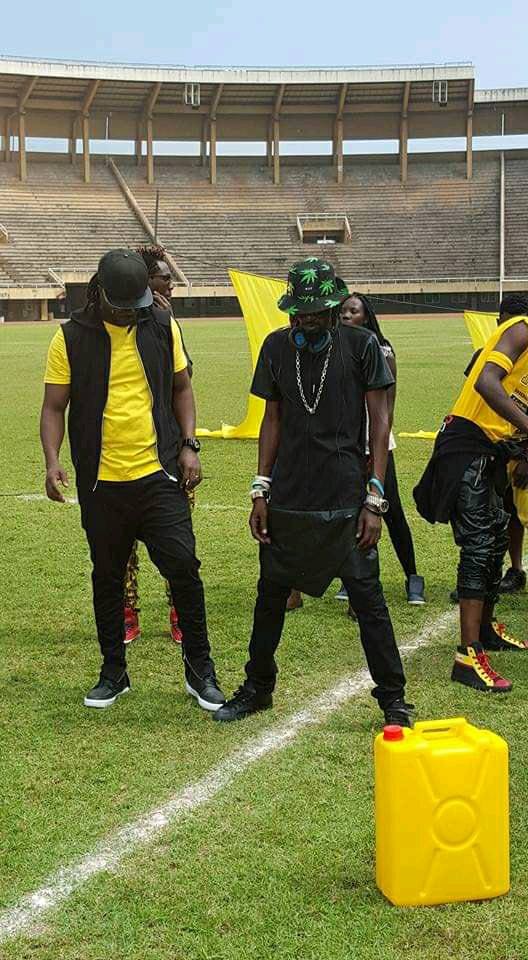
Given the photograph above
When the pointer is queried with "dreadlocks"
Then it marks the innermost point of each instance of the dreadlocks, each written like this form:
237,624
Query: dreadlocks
372,320
514,304
152,255
93,293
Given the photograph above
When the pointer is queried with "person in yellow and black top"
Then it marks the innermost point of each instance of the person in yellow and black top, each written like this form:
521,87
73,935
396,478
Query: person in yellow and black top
464,484
516,495
120,367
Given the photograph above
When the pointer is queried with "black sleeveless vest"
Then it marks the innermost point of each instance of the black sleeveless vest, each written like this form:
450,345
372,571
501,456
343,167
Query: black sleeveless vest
88,347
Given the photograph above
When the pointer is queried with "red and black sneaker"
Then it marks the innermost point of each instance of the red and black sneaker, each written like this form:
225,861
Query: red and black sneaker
132,631
494,636
473,669
175,631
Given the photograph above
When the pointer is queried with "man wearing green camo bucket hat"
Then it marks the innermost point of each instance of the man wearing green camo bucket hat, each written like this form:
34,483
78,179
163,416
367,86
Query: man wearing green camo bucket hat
312,288
319,516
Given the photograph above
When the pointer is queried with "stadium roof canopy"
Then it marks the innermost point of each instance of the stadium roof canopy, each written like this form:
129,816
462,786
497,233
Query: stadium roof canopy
60,99
370,101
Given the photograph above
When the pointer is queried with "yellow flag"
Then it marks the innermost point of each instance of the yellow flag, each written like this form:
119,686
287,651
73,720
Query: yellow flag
480,326
258,298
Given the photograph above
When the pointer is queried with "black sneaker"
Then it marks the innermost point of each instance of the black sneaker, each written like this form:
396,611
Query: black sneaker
204,689
106,692
246,700
399,713
415,590
513,581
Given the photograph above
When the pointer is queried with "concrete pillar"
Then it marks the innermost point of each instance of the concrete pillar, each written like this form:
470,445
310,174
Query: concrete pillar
22,162
338,150
212,152
43,309
86,146
276,152
469,146
7,139
150,153
404,140
203,144
72,143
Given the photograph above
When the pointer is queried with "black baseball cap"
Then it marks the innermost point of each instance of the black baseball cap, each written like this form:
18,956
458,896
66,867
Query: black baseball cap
123,276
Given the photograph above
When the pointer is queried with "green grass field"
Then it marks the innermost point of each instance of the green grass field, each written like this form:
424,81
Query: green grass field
280,863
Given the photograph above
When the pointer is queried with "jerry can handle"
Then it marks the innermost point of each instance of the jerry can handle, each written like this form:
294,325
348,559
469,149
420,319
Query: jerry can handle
441,728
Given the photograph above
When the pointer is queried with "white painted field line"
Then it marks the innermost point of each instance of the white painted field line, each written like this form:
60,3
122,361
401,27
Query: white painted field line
199,506
107,855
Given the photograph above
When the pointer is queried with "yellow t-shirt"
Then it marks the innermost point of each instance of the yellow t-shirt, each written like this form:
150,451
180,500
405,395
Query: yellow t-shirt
473,407
128,449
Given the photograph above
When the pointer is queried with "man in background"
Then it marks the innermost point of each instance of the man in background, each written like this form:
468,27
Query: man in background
160,282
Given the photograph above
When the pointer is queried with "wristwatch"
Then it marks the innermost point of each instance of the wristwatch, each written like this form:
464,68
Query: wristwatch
376,504
193,443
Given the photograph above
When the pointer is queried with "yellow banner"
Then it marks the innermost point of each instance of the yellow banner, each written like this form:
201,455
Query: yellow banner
258,298
480,326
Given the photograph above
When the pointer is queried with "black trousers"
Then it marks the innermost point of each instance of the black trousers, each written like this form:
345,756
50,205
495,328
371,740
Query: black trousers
155,510
480,528
377,637
396,521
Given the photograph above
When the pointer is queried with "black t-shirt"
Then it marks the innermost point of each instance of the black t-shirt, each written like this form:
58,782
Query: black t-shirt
321,462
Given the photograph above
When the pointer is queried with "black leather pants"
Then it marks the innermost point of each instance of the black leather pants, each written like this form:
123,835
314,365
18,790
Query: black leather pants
480,527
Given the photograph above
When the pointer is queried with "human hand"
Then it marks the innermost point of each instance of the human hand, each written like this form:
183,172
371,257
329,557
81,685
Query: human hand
55,475
191,468
160,301
520,475
368,529
258,520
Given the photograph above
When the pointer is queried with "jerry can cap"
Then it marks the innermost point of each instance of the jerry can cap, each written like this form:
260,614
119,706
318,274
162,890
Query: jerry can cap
393,732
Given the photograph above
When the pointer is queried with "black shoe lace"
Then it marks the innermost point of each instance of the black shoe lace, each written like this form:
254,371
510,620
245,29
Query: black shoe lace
243,695
399,707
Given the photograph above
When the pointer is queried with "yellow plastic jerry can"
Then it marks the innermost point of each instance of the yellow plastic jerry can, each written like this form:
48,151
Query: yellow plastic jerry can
442,813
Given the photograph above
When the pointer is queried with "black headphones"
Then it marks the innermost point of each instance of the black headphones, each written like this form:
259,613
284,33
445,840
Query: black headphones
314,343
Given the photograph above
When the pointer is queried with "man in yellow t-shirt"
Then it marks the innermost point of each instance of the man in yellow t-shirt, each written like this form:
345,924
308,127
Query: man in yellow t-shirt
119,365
464,482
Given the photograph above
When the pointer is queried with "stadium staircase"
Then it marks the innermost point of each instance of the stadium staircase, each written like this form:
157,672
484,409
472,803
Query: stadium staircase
516,217
438,225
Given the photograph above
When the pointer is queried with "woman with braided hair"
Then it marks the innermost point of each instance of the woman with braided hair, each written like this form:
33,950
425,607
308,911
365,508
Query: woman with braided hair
160,282
358,311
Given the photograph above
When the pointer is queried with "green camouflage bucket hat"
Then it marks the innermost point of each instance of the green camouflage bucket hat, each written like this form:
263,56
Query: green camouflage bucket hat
312,288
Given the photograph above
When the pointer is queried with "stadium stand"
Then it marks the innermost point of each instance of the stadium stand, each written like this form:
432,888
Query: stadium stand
438,225
516,232
431,225
56,222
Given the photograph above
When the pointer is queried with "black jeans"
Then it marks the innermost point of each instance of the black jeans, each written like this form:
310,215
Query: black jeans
480,528
377,637
396,521
155,510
